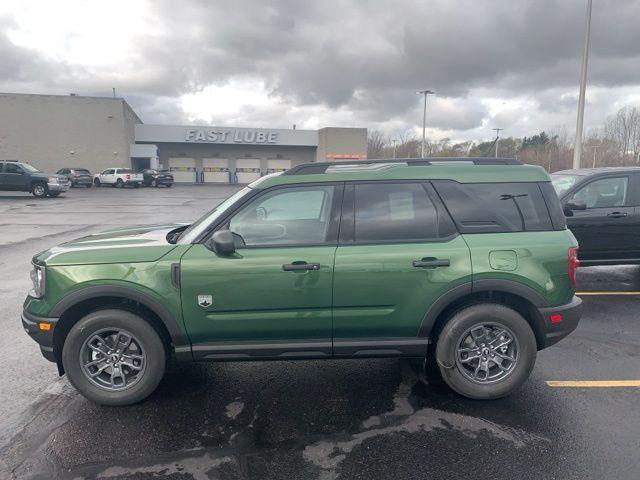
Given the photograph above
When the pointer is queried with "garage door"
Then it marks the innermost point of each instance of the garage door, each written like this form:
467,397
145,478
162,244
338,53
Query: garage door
247,169
183,169
278,165
215,170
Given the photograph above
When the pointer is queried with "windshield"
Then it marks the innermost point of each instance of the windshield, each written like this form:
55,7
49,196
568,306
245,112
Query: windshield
29,168
196,228
562,183
80,170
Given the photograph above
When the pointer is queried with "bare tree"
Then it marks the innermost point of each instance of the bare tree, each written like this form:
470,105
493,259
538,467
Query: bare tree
623,129
376,142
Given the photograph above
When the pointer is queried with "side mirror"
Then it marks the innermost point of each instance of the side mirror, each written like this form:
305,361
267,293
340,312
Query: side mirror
222,242
575,205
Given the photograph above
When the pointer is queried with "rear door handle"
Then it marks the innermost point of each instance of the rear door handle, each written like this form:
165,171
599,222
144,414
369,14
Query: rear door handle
295,266
431,262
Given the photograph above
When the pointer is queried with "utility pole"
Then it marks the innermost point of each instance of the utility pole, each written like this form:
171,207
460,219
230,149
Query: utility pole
577,149
497,137
595,148
394,141
424,117
114,92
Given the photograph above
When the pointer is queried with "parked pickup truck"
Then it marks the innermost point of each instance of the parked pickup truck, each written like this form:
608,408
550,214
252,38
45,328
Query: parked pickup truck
118,177
22,177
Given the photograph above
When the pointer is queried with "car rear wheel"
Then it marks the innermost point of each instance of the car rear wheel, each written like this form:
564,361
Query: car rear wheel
114,357
96,182
486,351
119,183
88,185
39,190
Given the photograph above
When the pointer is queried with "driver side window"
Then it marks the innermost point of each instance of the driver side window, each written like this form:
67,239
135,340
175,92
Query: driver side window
605,193
287,216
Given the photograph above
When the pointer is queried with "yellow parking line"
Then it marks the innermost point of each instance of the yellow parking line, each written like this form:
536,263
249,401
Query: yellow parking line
593,383
582,294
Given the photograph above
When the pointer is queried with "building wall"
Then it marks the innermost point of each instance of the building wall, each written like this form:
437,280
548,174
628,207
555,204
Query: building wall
53,131
336,144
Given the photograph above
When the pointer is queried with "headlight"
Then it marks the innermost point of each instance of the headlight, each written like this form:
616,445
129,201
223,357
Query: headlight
37,278
53,179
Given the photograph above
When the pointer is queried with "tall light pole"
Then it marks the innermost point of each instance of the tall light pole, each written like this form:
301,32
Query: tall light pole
577,149
394,141
424,117
497,137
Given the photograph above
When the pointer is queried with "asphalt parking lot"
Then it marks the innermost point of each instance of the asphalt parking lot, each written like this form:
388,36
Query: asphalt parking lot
311,419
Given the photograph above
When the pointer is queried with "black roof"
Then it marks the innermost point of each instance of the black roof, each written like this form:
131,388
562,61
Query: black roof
321,167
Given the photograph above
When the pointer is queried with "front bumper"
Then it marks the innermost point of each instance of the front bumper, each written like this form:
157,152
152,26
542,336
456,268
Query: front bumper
41,330
58,187
566,321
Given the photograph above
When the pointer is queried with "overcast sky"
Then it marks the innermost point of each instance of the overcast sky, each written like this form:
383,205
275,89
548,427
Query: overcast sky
512,64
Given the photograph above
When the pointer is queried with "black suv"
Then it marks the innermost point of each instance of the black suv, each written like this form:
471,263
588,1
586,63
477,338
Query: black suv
79,177
602,206
22,177
155,178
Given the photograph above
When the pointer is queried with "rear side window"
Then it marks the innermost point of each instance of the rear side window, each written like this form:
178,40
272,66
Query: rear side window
386,212
495,207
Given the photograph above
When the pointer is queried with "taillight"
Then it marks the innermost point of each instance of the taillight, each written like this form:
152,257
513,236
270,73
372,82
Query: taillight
572,264
128,177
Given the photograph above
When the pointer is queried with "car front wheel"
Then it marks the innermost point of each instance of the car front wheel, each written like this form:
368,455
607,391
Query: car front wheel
114,357
486,351
39,190
96,182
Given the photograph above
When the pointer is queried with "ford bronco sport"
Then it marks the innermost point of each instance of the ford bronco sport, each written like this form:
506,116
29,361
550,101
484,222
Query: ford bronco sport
464,262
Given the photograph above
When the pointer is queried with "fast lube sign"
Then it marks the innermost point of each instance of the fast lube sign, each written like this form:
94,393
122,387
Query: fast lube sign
230,136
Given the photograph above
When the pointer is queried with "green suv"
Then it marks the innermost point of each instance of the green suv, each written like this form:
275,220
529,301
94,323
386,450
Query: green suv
466,263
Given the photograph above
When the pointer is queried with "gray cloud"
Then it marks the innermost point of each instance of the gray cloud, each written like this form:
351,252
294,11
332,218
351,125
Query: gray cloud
365,57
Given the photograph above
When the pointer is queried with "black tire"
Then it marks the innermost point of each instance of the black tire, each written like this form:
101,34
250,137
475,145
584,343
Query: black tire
498,317
88,185
136,185
119,183
96,182
39,190
169,185
104,320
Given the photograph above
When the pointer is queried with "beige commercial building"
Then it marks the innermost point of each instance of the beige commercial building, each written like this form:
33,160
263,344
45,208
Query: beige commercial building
56,131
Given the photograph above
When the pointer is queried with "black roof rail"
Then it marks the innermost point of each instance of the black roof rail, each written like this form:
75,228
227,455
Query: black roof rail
321,167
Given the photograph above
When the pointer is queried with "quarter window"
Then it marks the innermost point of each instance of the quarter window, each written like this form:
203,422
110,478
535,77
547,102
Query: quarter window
495,207
394,212
287,216
604,193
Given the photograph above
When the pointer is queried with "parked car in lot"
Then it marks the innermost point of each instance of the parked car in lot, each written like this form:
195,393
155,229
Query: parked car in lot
155,178
602,206
79,177
117,177
465,263
22,177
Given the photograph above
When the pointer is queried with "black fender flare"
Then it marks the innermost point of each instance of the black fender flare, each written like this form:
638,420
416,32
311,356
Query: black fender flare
181,343
498,285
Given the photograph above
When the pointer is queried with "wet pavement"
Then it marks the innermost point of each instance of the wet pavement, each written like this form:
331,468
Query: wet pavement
309,419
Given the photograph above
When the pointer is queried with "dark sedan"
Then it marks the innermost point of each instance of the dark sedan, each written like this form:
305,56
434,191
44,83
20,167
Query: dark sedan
155,178
79,177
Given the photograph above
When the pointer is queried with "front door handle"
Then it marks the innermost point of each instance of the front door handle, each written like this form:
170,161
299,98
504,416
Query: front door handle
431,262
296,266
617,215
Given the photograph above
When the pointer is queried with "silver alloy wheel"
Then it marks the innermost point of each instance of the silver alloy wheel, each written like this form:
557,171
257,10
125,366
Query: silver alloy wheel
39,190
154,183
112,359
487,352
